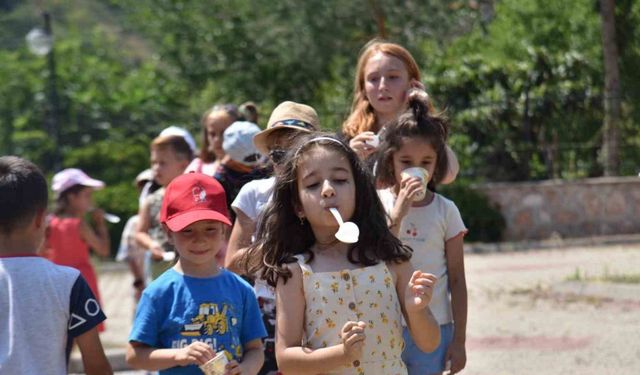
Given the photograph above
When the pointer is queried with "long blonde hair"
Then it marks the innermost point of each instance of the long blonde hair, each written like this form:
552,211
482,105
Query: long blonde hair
362,117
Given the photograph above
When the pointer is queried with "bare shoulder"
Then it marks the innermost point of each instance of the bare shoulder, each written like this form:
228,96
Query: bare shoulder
400,266
400,269
291,290
296,268
296,274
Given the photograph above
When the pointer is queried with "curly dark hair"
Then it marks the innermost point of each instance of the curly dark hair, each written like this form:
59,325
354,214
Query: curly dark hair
419,121
281,236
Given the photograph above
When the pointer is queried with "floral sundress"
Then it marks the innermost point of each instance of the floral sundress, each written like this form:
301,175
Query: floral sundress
364,294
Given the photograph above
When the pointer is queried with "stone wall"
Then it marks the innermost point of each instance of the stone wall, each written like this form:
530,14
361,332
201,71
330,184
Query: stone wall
589,207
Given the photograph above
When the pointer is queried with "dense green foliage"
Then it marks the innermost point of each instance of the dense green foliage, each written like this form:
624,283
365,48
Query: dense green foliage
521,80
485,222
529,102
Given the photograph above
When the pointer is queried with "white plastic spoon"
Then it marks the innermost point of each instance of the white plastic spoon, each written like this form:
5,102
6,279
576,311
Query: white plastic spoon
115,219
347,232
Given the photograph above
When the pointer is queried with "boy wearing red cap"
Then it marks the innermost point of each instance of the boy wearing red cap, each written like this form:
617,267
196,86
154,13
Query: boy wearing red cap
195,309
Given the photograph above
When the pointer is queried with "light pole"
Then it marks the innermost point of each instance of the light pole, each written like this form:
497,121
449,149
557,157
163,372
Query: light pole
40,42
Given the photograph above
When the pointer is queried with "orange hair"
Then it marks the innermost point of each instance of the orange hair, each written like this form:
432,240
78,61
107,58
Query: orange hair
362,117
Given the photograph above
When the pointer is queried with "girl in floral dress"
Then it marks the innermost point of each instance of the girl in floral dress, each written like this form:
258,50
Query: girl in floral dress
339,306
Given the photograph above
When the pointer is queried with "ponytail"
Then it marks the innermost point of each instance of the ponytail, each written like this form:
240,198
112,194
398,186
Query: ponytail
419,120
419,103
425,114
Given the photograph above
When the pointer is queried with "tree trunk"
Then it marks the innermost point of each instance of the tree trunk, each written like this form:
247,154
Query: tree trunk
611,133
378,15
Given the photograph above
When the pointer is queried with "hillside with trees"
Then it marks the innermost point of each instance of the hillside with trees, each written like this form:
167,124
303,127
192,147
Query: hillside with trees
523,81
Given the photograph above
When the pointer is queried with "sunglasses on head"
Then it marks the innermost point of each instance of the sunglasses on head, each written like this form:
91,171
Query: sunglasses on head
277,156
294,122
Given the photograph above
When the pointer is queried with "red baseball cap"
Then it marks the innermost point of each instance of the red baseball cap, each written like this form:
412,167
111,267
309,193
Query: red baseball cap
193,197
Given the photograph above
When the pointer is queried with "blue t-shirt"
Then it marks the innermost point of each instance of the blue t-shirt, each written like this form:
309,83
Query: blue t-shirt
176,310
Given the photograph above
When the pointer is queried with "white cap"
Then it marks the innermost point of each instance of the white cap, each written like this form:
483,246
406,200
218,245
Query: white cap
181,132
69,177
146,175
238,143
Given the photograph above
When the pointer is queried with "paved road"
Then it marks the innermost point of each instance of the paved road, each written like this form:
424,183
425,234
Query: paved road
528,312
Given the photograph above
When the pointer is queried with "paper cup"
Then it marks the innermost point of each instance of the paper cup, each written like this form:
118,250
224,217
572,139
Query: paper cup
420,173
374,141
216,365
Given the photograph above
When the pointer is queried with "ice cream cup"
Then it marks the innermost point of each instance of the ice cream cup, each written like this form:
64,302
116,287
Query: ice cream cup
216,365
420,173
374,141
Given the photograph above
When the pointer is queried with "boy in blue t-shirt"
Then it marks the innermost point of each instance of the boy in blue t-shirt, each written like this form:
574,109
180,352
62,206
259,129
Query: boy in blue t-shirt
195,309
44,307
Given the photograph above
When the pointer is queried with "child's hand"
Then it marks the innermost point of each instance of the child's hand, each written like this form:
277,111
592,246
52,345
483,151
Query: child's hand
458,357
409,188
415,84
97,216
197,353
360,144
352,336
419,291
156,251
233,368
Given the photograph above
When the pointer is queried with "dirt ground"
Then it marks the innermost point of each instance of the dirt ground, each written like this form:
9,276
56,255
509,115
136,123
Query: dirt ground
547,312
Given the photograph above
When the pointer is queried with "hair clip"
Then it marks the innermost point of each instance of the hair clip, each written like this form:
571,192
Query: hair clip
318,139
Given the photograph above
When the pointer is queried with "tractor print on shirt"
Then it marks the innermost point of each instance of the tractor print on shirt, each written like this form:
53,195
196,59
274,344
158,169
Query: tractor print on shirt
210,320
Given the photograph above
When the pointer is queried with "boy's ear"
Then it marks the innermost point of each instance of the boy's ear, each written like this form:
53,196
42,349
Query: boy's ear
169,233
40,218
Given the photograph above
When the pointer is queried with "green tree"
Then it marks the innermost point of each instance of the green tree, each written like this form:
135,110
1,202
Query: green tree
272,51
524,93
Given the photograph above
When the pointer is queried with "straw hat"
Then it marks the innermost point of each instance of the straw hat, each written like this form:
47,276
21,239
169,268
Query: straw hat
287,115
